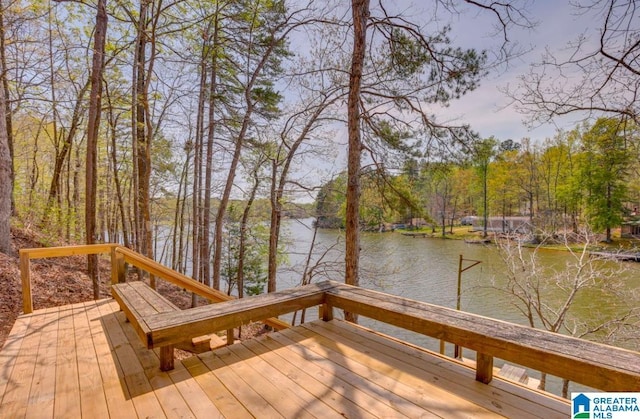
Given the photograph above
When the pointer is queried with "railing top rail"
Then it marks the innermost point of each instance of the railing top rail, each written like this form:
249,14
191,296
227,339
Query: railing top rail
134,258
61,251
590,363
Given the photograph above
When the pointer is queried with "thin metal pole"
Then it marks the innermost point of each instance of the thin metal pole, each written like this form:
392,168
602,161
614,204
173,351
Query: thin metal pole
457,350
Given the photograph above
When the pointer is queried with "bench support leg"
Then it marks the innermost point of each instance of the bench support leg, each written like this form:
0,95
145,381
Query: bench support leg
166,358
484,368
326,312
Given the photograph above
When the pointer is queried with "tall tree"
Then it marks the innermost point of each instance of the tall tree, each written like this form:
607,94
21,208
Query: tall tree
484,152
141,124
359,14
297,129
6,181
605,166
398,69
267,27
95,101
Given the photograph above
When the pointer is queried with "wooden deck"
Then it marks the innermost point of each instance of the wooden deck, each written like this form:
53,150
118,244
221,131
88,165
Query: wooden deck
84,360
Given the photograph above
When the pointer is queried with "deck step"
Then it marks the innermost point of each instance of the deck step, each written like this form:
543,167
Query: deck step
514,373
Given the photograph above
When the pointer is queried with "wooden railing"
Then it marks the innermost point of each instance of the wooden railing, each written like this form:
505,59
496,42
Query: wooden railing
589,363
592,364
51,252
119,257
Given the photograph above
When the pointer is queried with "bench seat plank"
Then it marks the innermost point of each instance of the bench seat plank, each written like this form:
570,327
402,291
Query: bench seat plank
140,303
589,363
170,328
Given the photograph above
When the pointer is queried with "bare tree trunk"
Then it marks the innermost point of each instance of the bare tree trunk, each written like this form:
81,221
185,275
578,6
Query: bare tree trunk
224,202
178,219
63,152
60,154
116,177
243,232
196,221
6,184
278,184
92,139
274,228
205,245
360,13
76,189
6,101
143,129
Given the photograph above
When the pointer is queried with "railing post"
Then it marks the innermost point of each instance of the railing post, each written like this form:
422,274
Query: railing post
114,266
25,275
484,368
118,267
326,312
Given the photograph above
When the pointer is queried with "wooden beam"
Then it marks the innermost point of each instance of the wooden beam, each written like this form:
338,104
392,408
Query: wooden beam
484,368
61,251
166,358
327,312
25,275
118,267
170,328
595,365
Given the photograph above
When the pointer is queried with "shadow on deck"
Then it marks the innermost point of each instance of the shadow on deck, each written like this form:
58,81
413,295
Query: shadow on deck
85,360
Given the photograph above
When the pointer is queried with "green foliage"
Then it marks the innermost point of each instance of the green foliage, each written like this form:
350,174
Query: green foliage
605,164
395,139
579,178
330,202
254,275
407,55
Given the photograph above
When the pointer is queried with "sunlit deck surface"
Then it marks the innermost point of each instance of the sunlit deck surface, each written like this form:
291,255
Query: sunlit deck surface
84,360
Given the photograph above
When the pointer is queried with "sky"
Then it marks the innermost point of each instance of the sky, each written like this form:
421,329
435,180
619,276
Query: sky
486,108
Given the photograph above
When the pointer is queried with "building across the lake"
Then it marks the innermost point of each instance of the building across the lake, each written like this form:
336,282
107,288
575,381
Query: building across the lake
504,224
630,229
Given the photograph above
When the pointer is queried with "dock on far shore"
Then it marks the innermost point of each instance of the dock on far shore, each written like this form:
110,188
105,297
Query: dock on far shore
619,256
415,234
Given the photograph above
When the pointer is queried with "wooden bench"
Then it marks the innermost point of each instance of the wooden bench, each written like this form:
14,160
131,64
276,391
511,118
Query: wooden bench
590,363
160,324
140,303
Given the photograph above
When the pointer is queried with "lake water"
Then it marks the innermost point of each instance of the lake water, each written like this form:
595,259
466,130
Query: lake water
425,269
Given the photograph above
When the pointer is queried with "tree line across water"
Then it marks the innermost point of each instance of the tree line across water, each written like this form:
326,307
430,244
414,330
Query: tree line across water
586,177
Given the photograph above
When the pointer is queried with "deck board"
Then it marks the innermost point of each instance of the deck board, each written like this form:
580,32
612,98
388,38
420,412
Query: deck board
17,391
511,400
42,393
85,360
297,370
116,393
412,392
